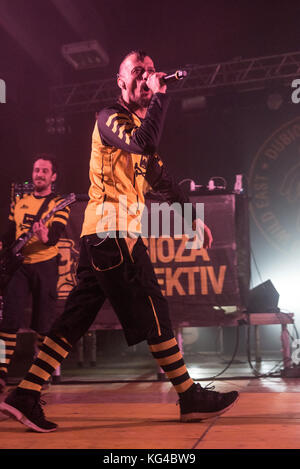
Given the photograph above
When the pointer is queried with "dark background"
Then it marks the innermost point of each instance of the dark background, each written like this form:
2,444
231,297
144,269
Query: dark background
220,140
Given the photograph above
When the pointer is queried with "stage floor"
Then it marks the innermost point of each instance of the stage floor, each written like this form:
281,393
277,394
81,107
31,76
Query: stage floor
126,407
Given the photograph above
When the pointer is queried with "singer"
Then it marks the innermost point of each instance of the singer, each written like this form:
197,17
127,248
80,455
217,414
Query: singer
115,265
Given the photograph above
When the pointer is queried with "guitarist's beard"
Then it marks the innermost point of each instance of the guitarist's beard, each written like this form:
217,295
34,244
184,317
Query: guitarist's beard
42,187
39,188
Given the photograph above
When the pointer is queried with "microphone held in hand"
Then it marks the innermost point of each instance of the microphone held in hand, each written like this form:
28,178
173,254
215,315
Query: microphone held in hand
178,75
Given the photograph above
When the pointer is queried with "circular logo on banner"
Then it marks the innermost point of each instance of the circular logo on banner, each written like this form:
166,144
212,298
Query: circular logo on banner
274,185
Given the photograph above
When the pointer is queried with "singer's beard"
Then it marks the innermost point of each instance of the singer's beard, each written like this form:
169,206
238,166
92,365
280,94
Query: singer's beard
145,96
137,101
144,102
140,103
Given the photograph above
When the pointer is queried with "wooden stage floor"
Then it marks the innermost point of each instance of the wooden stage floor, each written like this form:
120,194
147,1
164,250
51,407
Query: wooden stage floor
142,414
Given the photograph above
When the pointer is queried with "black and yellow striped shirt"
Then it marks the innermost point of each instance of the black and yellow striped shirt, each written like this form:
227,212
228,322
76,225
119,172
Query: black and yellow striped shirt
22,214
124,165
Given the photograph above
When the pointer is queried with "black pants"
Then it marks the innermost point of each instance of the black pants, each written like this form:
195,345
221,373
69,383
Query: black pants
39,280
107,270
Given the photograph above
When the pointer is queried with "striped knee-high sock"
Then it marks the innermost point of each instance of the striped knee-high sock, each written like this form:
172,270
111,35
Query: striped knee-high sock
53,351
170,359
8,344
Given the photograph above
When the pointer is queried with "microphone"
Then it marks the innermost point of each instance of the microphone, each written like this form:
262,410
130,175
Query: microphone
178,75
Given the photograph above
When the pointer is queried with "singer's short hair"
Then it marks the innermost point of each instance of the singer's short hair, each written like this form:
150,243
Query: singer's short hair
140,55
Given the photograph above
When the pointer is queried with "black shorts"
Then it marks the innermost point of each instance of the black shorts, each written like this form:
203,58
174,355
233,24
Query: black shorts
39,280
107,270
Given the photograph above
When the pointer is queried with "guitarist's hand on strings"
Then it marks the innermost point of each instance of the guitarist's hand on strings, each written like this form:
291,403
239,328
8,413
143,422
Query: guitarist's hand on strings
41,231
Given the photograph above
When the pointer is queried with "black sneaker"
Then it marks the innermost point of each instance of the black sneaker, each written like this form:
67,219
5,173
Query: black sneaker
27,409
2,385
202,403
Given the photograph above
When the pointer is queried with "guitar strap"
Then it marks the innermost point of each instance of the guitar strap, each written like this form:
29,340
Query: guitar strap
43,207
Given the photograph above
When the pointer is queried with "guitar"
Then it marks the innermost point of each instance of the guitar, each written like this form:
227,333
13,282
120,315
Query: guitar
11,257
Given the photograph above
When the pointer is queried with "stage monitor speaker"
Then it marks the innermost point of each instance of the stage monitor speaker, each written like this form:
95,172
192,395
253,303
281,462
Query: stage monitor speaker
263,298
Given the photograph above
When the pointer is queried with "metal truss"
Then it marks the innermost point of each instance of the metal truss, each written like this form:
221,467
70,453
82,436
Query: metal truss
239,74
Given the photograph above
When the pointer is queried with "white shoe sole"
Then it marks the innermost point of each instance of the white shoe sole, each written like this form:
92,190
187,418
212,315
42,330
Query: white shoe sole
16,414
194,416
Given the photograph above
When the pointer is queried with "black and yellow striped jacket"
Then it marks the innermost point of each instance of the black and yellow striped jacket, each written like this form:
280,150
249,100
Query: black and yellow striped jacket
21,217
124,165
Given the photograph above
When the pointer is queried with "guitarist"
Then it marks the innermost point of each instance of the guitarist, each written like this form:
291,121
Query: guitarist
38,273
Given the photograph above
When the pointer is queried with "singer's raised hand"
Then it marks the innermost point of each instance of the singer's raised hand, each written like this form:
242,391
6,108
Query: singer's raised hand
155,82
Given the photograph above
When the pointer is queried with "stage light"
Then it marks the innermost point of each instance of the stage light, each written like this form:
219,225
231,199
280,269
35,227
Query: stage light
50,121
288,281
84,55
60,125
56,125
50,125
